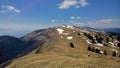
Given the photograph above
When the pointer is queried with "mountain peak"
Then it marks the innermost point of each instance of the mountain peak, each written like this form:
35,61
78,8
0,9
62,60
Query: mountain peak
69,43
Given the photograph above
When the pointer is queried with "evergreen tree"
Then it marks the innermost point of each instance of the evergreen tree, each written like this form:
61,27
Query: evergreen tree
93,41
105,52
78,33
71,45
93,49
85,34
97,50
99,40
114,54
105,44
118,44
118,38
90,37
89,48
107,39
96,36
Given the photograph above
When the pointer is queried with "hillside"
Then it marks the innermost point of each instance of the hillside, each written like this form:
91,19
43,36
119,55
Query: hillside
10,47
69,47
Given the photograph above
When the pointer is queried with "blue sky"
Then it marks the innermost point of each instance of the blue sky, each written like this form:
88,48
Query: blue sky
20,17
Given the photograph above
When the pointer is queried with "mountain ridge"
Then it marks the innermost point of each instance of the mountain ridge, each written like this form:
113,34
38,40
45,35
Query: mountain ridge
66,41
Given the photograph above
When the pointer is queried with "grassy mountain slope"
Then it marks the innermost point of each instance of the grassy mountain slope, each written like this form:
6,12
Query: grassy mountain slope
56,51
10,47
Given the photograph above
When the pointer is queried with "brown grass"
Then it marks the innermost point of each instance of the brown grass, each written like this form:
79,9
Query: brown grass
61,55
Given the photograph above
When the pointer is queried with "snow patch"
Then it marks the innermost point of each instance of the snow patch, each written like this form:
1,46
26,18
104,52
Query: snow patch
70,37
81,33
88,41
99,44
60,31
111,44
97,48
66,33
101,52
63,26
69,26
84,31
39,32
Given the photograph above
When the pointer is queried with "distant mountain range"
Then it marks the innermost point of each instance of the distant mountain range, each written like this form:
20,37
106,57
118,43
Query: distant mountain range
115,30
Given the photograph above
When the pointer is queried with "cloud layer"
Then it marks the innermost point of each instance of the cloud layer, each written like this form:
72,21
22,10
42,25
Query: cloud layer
53,21
8,9
105,23
73,17
69,3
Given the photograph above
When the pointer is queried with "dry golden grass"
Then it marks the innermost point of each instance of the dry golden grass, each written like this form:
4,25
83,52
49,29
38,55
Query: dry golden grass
59,54
64,60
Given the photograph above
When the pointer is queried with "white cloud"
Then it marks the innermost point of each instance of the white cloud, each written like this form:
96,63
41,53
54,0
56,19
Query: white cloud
108,23
72,17
69,3
9,8
17,11
53,21
105,21
3,11
83,3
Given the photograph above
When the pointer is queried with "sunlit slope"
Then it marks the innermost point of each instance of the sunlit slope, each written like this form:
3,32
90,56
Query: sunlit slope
57,52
